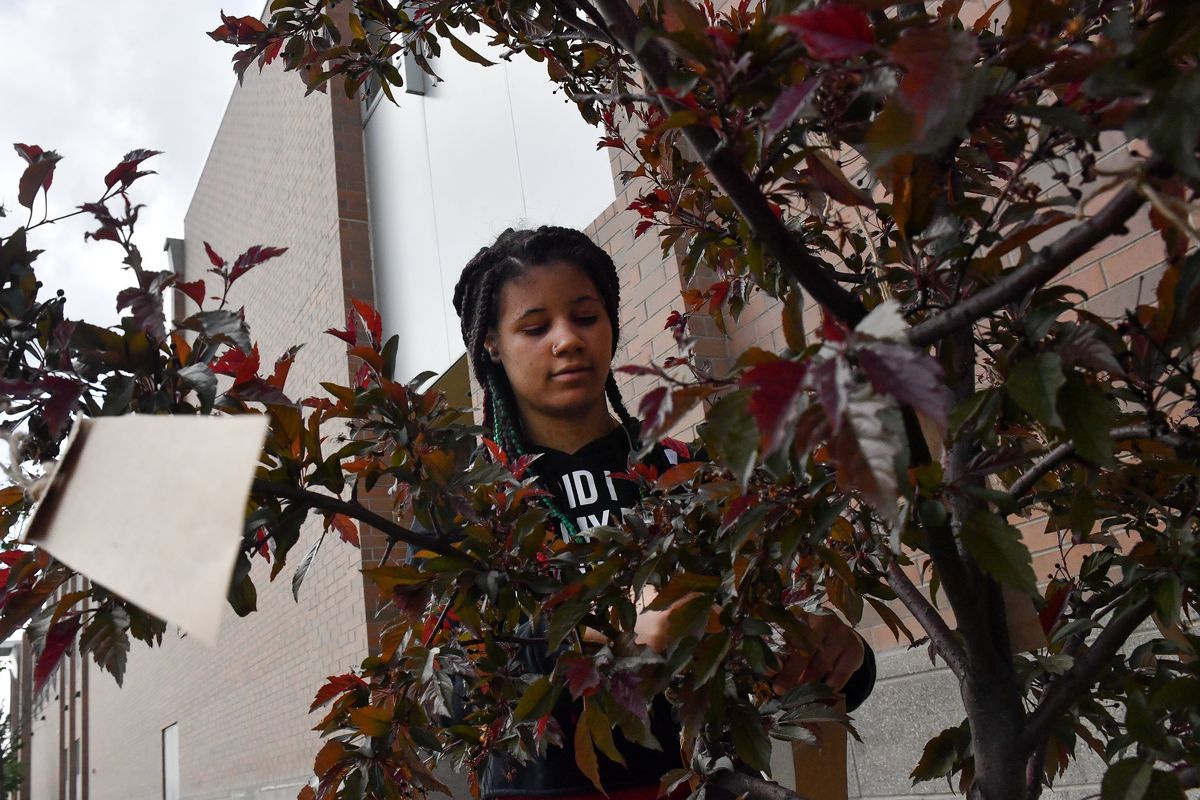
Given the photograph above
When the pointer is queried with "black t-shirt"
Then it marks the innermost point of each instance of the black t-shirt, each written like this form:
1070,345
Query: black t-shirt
586,492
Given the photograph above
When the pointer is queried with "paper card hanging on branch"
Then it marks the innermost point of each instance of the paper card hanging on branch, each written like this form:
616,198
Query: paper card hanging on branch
152,509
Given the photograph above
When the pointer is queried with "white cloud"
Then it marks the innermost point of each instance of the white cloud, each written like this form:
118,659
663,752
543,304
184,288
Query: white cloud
93,80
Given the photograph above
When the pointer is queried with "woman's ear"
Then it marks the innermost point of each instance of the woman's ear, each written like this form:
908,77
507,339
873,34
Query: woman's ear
489,344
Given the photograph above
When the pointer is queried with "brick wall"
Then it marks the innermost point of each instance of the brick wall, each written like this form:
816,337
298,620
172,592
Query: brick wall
284,170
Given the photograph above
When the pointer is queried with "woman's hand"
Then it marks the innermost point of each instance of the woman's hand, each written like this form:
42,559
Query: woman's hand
837,652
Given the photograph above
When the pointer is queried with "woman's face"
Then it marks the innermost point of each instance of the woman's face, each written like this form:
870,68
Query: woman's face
554,340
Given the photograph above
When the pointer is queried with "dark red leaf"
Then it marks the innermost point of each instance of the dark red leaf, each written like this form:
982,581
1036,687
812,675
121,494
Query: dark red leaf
1057,594
216,260
827,175
911,376
717,294
626,689
522,464
29,152
37,176
271,51
788,105
252,258
283,365
830,379
105,233
256,390
193,289
237,30
11,557
362,378
248,369
582,677
371,317
832,31
679,447
335,685
57,408
739,506
831,329
498,455
775,403
240,366
58,640
127,171
350,334
345,528
147,310
935,60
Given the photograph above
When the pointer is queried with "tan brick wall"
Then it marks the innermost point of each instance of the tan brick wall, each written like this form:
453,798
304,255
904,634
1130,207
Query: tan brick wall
242,707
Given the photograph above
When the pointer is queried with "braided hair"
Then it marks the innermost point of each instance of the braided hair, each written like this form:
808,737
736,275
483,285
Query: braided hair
477,298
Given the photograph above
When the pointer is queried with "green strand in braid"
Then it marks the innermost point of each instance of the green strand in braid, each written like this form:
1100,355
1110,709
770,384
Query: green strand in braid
511,439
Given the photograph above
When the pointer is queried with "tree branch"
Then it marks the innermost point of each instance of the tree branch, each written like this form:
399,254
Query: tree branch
931,620
1061,693
739,784
1060,454
356,511
725,168
599,31
1049,261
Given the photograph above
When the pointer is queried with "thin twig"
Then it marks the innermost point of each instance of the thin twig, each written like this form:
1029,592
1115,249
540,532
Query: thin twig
387,527
739,783
1064,691
1060,454
1049,262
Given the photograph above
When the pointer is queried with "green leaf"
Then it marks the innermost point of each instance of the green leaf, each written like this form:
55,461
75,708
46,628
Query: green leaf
536,701
585,756
868,447
601,729
1171,123
750,738
106,637
1128,779
199,377
709,656
1034,383
732,435
939,756
220,325
1168,599
998,549
466,52
1088,416
305,563
242,594
794,733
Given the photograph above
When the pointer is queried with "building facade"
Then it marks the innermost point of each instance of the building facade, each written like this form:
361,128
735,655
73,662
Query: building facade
385,204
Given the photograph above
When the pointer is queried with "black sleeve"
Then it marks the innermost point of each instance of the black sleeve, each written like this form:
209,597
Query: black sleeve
859,687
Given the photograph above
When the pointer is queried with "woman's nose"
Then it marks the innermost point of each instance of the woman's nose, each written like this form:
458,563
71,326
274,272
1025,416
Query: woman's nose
566,340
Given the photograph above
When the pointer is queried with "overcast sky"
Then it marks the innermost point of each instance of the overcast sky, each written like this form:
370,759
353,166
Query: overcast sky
94,80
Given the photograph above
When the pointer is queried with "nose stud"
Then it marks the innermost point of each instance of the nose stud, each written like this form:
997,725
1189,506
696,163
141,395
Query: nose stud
554,349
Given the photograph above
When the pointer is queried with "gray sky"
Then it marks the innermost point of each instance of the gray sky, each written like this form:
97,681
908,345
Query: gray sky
94,80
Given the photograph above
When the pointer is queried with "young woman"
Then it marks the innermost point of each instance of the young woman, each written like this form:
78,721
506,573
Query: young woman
540,319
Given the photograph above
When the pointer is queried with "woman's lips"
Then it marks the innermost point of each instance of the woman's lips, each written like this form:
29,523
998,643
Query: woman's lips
570,373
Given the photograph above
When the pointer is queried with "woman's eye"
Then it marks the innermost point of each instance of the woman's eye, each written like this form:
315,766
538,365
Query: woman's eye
536,330
587,320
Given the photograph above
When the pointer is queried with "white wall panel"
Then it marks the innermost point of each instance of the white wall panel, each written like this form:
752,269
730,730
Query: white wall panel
489,148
